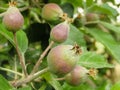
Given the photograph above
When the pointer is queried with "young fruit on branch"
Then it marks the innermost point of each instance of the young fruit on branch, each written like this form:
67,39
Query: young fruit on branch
92,17
77,76
62,59
51,12
13,19
60,32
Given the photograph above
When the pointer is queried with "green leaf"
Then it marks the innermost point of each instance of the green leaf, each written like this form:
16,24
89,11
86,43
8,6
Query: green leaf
93,60
7,34
111,27
75,3
104,8
89,2
83,86
25,88
108,41
116,86
75,36
22,41
51,80
4,85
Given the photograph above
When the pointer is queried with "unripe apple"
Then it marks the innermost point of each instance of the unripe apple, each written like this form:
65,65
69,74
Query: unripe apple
51,12
60,32
13,19
77,76
62,59
92,17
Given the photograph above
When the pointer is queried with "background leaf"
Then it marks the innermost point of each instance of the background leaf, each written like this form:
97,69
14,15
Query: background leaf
75,3
116,86
89,2
108,41
104,9
93,60
111,27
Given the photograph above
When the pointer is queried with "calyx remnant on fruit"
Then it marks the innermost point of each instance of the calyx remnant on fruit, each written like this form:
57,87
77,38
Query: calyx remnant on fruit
13,19
60,32
62,59
51,12
77,76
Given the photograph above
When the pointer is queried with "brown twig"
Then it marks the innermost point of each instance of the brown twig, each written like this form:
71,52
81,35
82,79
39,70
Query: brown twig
20,55
41,57
29,78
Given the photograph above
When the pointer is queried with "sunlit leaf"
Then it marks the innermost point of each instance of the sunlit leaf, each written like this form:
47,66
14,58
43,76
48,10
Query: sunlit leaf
108,41
93,60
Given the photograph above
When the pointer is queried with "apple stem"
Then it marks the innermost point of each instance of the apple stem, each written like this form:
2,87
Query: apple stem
60,79
41,57
20,55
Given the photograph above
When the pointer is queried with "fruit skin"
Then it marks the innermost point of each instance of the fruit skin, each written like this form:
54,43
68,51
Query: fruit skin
77,76
13,19
92,17
51,12
60,32
62,59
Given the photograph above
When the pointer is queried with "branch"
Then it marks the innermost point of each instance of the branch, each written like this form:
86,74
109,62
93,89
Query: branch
41,57
91,22
20,55
8,70
29,78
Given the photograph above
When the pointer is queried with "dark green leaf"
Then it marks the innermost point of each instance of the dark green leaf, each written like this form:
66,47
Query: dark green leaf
93,60
116,86
111,27
43,87
108,41
54,1
51,80
68,8
4,85
22,41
